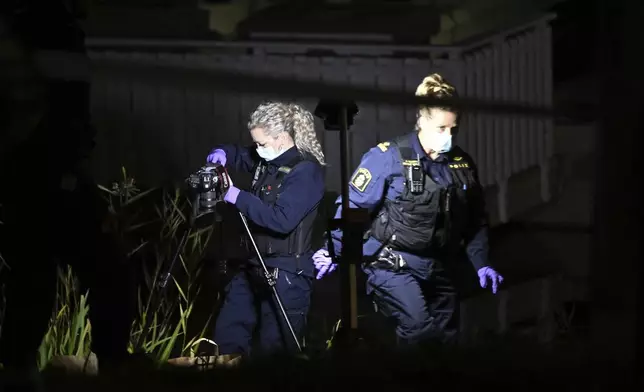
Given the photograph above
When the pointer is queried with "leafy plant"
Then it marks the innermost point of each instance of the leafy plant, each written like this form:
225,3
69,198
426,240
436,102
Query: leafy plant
153,233
69,330
127,212
163,315
334,332
163,312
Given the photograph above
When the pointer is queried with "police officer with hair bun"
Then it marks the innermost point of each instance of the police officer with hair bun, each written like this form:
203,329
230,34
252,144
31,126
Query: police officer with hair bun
428,207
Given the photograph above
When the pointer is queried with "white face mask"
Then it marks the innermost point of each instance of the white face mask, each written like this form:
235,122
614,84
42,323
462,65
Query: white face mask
440,142
268,153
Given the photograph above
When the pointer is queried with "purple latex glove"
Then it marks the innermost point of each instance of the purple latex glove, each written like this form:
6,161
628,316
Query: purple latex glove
232,194
486,273
323,263
217,156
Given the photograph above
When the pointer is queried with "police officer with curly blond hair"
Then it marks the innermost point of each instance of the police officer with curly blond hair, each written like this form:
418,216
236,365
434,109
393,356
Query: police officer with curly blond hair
286,161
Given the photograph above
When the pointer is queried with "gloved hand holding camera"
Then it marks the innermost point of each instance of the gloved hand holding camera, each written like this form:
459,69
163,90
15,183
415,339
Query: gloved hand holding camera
232,193
218,156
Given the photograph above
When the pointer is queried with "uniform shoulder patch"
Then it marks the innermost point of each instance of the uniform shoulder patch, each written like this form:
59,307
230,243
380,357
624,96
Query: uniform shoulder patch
361,178
284,169
459,162
383,146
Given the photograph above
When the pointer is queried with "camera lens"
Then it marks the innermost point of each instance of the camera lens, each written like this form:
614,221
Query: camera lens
208,199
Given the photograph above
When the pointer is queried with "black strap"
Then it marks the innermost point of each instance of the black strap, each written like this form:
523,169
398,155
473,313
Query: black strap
405,150
300,250
283,170
257,175
260,172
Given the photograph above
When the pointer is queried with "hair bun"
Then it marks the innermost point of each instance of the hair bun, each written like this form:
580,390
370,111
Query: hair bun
434,80
434,85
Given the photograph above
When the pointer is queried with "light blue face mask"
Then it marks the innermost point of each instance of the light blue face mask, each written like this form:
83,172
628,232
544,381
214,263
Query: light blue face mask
441,142
268,153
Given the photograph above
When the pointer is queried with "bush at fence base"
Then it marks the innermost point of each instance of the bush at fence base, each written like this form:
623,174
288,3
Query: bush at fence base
149,226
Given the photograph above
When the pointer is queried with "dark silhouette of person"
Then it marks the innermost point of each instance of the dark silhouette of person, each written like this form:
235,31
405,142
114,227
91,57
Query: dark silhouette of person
51,210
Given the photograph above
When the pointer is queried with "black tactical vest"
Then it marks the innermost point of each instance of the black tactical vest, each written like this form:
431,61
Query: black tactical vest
426,221
267,187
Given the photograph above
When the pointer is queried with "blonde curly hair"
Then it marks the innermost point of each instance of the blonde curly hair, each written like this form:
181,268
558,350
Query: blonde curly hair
299,123
434,86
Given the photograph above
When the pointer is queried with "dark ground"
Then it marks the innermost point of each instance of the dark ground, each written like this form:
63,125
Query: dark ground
500,368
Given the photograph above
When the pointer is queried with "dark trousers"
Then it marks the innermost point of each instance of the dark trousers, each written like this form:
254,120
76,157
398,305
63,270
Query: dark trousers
42,230
425,307
249,307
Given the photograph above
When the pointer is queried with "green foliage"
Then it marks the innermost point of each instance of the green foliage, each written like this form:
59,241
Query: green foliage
334,331
163,315
128,206
69,330
151,232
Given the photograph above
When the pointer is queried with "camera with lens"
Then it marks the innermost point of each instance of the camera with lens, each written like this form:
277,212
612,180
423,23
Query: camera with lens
210,184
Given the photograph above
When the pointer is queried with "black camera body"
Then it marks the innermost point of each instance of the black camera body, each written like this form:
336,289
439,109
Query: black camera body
210,184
